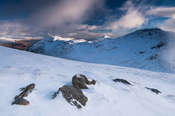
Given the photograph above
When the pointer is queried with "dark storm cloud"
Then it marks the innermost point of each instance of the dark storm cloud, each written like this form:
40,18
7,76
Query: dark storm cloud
57,15
22,8
49,12
69,15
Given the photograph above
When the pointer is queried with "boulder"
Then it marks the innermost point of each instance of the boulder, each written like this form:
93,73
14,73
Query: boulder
19,99
26,90
81,81
73,95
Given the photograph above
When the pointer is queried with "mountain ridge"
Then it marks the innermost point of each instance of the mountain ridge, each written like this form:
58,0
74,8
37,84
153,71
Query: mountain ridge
140,49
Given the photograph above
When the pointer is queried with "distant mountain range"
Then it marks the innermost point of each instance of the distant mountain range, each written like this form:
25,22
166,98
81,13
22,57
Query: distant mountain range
140,49
21,44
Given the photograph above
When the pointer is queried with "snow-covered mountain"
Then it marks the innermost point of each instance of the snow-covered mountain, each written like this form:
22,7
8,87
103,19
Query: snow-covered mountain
106,98
140,49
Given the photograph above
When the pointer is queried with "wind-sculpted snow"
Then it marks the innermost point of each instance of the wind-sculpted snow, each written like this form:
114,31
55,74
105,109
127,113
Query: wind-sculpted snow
106,98
141,49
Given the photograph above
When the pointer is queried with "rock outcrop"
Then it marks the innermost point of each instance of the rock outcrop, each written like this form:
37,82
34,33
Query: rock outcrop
81,81
19,99
73,94
122,81
153,90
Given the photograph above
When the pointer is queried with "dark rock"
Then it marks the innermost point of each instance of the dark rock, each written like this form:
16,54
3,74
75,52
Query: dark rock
153,57
26,90
142,52
55,94
153,90
19,99
73,95
122,81
159,45
81,81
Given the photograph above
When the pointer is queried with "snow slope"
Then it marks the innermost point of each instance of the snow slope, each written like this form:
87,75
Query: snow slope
133,50
106,98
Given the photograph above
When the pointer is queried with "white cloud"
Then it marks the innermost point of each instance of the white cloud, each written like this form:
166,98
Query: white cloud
162,11
168,12
168,25
64,18
132,19
87,27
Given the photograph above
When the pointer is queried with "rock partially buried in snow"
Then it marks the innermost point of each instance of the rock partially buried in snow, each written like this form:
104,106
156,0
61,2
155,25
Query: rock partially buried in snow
73,95
19,99
81,81
159,45
142,52
153,90
153,57
122,81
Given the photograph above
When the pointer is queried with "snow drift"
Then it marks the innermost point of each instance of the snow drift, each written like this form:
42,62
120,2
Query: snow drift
19,68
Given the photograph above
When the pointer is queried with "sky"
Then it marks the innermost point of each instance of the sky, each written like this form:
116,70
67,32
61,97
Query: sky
81,18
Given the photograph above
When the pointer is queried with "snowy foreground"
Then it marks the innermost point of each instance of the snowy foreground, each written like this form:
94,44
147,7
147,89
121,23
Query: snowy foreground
106,98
